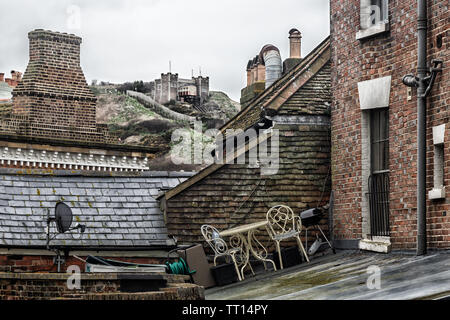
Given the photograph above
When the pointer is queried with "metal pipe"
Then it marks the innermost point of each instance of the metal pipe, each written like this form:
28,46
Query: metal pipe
421,126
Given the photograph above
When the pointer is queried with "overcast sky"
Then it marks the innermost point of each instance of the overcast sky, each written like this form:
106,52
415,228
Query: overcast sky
135,39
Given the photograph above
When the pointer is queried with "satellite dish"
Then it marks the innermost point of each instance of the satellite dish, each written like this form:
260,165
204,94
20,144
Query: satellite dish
63,220
63,217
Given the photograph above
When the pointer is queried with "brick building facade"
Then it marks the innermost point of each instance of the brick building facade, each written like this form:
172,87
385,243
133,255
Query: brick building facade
374,122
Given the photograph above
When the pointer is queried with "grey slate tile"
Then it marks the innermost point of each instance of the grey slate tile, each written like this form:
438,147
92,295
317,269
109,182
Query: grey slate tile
116,210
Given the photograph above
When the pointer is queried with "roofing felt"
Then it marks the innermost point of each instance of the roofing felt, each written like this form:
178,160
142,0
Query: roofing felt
119,211
346,275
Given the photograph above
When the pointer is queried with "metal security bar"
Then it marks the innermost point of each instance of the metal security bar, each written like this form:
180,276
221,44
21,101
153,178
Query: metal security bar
379,204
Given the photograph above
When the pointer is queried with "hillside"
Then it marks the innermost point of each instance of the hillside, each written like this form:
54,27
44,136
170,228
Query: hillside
225,103
137,124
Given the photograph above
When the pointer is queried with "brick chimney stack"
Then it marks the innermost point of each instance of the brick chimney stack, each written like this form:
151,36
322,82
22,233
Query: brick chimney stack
295,41
2,77
53,91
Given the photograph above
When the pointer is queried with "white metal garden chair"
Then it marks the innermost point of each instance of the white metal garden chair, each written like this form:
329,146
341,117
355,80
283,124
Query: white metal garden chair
284,224
220,247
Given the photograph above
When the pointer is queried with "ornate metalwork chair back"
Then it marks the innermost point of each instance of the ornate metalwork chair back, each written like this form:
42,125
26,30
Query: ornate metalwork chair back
282,220
213,239
284,224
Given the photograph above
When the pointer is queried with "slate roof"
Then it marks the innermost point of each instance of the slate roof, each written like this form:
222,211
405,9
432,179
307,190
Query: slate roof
119,211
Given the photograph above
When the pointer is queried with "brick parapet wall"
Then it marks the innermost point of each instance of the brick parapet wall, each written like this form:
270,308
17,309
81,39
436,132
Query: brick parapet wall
95,286
44,263
391,54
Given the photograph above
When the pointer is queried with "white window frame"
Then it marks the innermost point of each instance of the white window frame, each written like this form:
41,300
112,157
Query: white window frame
367,28
438,191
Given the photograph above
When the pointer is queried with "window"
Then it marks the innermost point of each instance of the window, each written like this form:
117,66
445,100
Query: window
379,178
379,140
374,18
438,191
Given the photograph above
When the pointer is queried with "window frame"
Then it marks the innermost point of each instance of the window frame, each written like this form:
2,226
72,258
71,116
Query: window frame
382,26
379,139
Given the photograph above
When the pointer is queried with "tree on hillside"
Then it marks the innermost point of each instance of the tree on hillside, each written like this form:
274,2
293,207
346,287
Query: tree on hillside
137,86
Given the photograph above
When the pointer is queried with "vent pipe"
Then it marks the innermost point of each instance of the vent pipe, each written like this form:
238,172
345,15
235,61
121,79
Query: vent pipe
272,61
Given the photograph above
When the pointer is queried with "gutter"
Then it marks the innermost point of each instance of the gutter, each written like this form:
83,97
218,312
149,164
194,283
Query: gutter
93,248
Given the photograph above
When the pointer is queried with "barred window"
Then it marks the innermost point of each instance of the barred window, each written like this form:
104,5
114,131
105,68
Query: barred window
379,140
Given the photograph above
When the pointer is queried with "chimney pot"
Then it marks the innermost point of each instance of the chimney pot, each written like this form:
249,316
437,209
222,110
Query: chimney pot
295,43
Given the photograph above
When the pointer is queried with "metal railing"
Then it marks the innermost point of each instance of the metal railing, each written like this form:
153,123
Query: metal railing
379,204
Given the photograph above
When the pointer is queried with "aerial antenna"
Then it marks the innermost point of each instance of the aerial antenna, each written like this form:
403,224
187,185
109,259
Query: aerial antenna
200,70
170,66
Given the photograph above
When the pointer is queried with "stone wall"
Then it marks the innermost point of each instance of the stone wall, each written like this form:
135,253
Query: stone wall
166,112
392,53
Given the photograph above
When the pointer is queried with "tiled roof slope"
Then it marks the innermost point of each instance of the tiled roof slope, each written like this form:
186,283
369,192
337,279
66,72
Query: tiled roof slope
119,211
310,99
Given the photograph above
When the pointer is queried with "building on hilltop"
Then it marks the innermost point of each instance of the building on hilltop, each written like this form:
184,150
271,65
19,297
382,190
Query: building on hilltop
7,85
172,88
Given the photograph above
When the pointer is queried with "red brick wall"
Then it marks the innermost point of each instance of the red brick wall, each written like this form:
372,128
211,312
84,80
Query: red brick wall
93,286
393,53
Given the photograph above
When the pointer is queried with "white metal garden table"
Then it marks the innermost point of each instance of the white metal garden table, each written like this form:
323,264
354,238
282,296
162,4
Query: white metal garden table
244,237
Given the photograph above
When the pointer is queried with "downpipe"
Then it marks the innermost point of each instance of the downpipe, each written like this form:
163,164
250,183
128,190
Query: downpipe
421,127
423,82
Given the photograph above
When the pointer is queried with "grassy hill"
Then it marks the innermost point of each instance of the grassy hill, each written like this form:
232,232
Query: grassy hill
137,124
